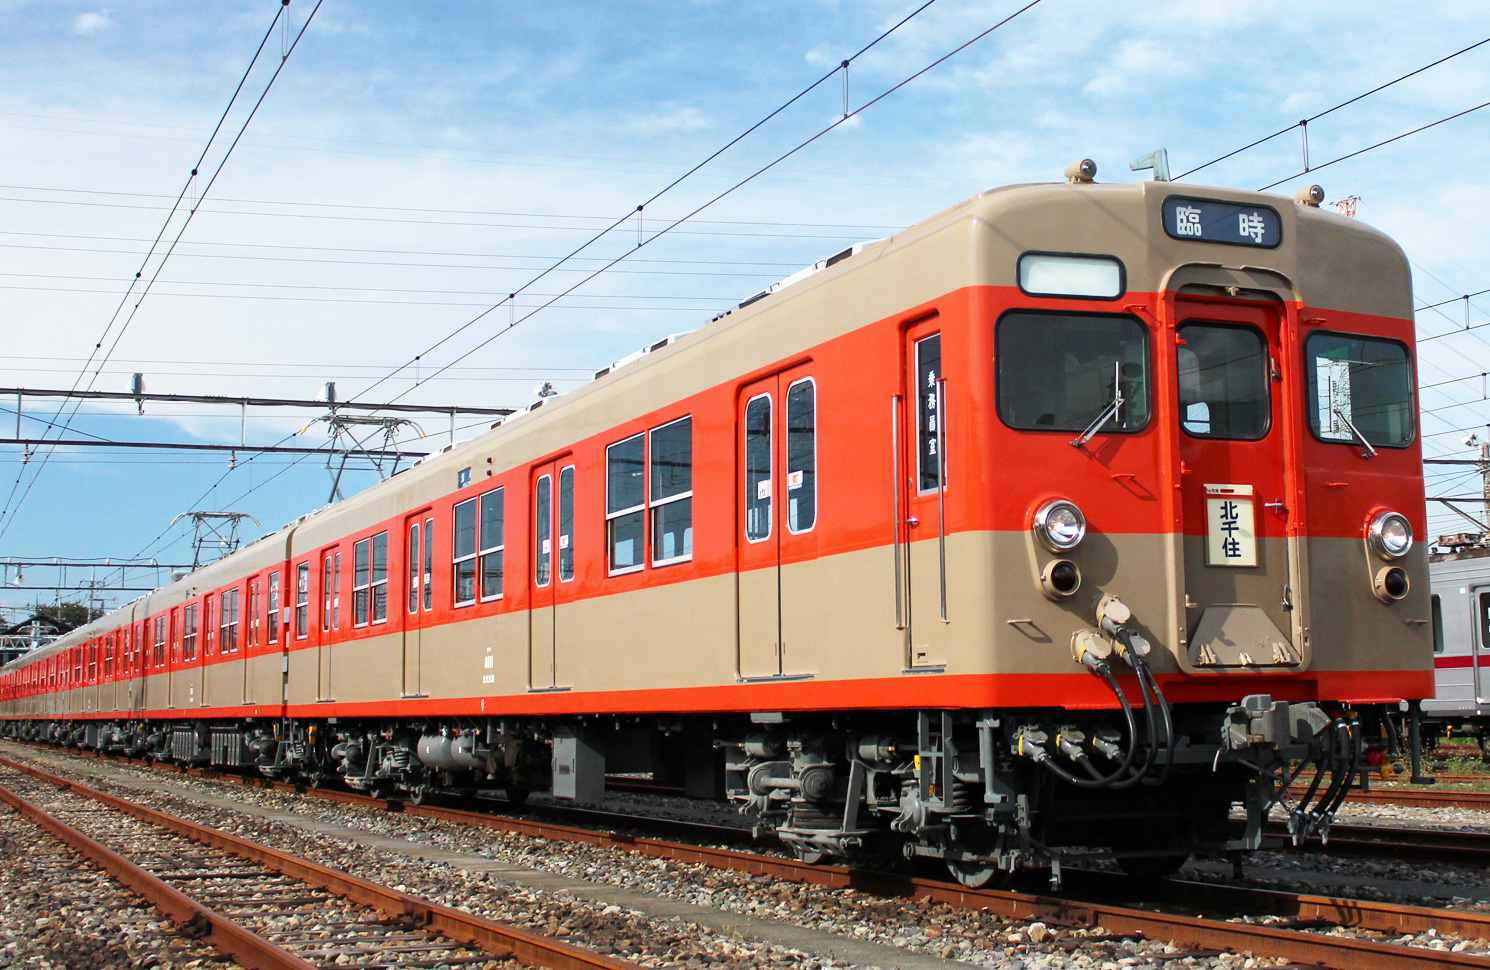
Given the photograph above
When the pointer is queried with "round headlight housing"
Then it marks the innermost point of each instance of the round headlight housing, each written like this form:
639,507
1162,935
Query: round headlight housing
1059,525
1390,535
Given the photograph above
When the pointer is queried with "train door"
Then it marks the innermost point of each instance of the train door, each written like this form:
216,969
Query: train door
776,478
419,549
552,515
1243,603
921,500
1480,596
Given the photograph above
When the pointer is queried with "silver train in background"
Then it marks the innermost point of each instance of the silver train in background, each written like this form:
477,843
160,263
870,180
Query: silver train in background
1459,570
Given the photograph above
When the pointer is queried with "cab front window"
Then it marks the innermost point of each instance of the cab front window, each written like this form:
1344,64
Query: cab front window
1073,372
1358,387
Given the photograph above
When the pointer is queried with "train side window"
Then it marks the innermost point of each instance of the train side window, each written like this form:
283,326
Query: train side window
542,528
625,503
302,601
108,660
414,567
189,632
930,394
206,625
336,593
672,492
272,613
370,580
801,455
160,644
1360,383
463,559
566,524
758,468
1062,371
429,564
1437,609
1223,377
379,589
492,544
227,640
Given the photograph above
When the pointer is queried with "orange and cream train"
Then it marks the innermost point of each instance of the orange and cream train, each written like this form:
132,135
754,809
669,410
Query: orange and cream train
1069,518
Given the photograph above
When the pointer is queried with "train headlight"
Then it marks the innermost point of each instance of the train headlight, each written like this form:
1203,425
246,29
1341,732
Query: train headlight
1059,526
1390,535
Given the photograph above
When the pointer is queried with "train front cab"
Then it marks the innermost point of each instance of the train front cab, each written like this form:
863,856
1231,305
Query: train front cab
1205,464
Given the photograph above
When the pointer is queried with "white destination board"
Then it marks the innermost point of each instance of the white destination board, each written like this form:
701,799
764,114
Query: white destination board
1231,537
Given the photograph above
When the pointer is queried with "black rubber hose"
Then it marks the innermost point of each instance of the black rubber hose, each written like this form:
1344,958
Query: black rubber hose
1338,778
1353,737
1097,780
1163,706
1138,774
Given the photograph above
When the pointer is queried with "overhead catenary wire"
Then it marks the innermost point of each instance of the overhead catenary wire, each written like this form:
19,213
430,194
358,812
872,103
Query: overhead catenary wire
154,244
13,503
517,321
1380,144
641,207
1305,122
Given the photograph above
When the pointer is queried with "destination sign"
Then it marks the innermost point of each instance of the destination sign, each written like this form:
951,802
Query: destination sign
1222,222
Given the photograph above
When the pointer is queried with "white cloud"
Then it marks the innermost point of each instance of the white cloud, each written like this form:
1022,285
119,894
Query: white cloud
669,122
92,23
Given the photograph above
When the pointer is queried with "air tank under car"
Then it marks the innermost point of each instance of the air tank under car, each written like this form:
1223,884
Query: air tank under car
1069,519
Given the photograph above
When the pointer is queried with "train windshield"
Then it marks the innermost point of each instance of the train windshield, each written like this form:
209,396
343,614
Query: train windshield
1060,372
1358,386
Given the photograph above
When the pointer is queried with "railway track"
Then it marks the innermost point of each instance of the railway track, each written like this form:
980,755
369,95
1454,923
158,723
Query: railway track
1289,939
266,909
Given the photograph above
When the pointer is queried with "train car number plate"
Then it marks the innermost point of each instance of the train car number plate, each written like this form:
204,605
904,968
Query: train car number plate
1231,539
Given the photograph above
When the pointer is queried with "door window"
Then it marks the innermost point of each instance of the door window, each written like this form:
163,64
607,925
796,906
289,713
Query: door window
801,455
428,575
542,526
758,468
1223,375
566,524
930,433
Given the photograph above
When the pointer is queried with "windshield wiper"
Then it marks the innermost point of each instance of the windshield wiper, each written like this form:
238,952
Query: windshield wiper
1112,408
1370,452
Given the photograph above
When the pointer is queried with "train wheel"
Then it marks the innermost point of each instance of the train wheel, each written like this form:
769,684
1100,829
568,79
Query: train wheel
976,874
420,794
1153,866
809,857
518,797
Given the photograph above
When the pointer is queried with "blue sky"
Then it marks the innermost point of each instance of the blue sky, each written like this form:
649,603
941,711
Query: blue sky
416,162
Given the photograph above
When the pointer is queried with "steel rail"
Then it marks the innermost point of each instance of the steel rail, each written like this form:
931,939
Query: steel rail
531,948
1404,844
1345,953
243,945
1362,914
1439,798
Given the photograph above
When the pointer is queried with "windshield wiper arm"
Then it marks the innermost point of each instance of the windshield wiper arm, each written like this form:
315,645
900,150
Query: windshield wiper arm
1370,451
1112,408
